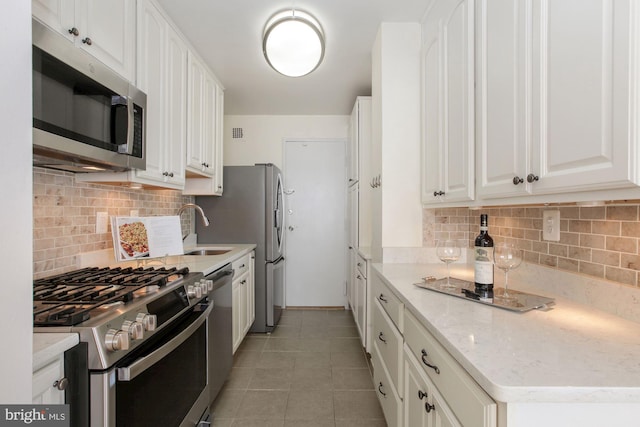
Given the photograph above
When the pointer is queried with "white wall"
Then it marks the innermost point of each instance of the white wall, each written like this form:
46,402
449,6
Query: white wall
263,135
16,251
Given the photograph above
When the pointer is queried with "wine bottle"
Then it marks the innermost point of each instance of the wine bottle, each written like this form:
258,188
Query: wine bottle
483,257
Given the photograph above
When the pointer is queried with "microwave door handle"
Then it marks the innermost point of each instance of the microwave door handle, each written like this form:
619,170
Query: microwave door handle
128,373
118,103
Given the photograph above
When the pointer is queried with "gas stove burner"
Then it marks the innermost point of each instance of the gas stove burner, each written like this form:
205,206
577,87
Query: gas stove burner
67,299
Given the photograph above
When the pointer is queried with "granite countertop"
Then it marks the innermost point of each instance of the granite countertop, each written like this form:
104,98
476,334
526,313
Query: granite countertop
571,353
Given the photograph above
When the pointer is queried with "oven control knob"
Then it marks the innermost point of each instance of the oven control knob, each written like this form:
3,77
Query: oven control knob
135,329
194,291
117,340
204,288
148,321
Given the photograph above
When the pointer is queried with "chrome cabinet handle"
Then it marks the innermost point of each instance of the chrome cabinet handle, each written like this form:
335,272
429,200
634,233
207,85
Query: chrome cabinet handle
74,31
517,180
358,277
381,338
382,298
205,164
438,193
169,174
424,360
428,407
381,392
421,394
532,178
87,41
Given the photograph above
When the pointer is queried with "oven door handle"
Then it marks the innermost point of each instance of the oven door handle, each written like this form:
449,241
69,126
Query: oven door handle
128,373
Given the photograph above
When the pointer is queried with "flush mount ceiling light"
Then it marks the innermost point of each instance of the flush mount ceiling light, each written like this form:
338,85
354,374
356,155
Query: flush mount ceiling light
293,43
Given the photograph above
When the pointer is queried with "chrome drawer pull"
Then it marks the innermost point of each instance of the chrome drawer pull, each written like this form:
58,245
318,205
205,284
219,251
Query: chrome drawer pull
381,392
382,298
424,360
421,394
381,338
428,407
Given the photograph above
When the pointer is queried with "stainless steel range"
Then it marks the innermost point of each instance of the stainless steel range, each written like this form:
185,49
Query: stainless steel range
146,335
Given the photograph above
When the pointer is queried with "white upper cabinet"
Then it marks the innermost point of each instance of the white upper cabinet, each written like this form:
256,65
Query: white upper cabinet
162,75
104,28
204,163
447,102
202,119
557,95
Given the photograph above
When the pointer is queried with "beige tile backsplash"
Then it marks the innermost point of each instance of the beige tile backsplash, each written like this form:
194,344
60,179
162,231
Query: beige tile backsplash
64,216
601,241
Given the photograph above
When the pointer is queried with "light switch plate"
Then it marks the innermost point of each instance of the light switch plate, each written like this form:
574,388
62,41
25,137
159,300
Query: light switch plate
551,225
101,222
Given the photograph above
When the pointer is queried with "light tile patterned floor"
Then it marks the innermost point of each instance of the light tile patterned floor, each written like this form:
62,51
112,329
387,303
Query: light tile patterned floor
310,372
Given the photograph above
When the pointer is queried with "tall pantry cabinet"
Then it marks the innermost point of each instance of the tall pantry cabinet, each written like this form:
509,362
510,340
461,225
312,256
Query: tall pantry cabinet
359,194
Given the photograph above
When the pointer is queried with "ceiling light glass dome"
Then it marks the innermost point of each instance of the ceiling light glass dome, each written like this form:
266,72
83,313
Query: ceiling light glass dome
293,43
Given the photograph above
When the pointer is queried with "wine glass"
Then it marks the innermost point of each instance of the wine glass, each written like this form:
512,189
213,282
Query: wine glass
448,251
506,257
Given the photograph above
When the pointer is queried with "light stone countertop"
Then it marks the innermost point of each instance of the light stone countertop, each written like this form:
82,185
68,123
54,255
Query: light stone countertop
48,346
571,353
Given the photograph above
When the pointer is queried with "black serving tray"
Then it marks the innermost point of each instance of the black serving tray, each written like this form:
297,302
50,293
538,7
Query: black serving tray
466,290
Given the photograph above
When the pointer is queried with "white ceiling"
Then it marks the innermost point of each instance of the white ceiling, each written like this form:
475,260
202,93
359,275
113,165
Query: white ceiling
228,35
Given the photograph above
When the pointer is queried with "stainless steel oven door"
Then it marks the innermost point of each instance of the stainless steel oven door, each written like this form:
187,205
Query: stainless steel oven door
165,384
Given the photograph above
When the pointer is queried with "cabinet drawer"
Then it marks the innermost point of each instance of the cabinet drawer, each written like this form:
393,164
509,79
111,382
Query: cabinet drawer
388,342
468,401
387,393
388,301
241,265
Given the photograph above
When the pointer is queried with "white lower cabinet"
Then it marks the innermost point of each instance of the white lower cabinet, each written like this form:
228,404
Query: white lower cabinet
423,405
454,398
386,351
243,298
44,383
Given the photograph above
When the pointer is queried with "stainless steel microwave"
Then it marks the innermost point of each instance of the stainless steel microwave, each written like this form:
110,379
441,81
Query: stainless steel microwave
86,117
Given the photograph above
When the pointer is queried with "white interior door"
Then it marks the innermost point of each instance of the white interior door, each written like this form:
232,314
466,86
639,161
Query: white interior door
315,188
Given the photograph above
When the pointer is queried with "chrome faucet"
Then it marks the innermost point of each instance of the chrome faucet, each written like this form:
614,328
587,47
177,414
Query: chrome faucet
205,220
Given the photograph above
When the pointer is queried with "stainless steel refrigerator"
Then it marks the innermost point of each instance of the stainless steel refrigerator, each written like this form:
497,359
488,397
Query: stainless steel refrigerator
251,210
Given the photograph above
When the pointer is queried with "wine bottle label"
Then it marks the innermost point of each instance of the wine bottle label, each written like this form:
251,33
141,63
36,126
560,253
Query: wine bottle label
483,266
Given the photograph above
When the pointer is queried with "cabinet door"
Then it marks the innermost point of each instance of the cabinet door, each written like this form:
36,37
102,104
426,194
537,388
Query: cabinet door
361,307
110,25
236,302
209,117
151,78
201,128
582,94
176,106
448,100
219,142
503,97
44,392
58,15
353,145
195,130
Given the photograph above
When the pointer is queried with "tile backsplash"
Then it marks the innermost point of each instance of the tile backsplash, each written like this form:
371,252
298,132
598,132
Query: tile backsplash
601,241
64,216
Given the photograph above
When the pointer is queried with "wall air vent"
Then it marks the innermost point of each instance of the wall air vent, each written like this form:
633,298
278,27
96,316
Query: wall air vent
237,133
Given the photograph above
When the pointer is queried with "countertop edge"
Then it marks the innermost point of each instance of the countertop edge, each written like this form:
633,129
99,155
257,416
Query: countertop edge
47,346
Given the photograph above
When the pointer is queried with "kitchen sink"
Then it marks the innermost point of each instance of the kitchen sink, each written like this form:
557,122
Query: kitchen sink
219,251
